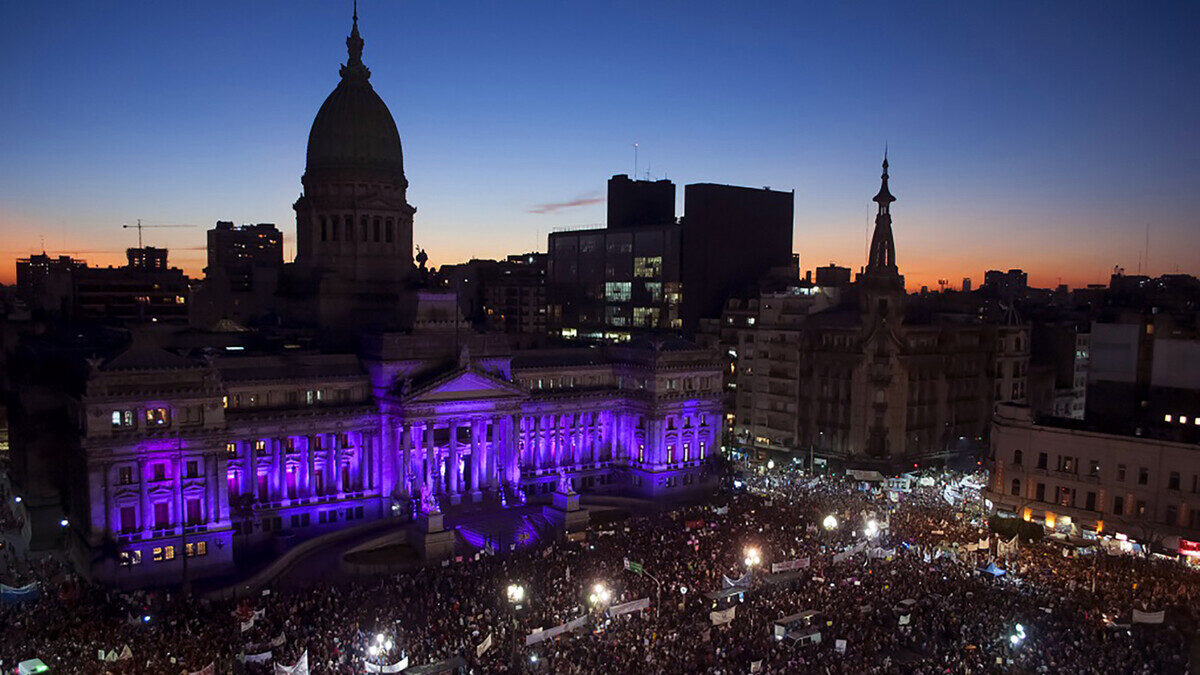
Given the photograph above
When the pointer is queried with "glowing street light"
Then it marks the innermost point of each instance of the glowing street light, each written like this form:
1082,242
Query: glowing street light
830,522
770,464
872,529
752,556
600,595
516,593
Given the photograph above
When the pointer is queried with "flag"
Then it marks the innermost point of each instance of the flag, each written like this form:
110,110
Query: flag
210,669
300,667
722,617
756,666
127,653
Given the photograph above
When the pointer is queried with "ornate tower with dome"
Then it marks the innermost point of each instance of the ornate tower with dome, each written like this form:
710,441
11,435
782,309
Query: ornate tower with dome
354,225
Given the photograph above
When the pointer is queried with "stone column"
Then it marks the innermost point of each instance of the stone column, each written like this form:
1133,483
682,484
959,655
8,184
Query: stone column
280,468
210,488
510,441
309,467
250,475
221,468
430,458
385,459
405,458
454,479
177,492
145,513
477,449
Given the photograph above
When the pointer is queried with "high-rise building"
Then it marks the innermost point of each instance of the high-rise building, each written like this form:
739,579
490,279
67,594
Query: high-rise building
966,285
832,276
610,283
732,236
242,276
1006,285
640,203
44,283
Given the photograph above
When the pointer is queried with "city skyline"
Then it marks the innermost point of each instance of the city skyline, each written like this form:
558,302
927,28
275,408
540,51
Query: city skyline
1097,150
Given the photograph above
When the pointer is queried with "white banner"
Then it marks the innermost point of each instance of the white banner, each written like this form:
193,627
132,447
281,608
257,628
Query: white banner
299,668
1148,617
396,667
722,617
789,565
210,669
540,635
905,619
255,658
756,666
632,606
484,646
127,653
839,646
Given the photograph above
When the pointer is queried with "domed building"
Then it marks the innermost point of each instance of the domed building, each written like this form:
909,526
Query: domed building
354,224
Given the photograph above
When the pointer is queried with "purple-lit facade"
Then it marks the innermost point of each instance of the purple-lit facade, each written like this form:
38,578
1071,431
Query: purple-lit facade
190,460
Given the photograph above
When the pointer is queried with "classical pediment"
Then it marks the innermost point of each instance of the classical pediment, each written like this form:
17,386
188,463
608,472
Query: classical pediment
465,384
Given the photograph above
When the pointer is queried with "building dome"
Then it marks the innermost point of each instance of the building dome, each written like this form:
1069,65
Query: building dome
354,129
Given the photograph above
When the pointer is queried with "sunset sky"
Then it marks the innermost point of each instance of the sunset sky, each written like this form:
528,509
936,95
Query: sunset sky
1045,136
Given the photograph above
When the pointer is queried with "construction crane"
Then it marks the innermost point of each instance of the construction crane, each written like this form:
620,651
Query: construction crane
140,227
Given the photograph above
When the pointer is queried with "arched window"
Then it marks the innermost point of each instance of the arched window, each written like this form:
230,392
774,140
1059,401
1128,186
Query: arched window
324,229
333,227
363,220
1017,457
389,230
376,230
1016,487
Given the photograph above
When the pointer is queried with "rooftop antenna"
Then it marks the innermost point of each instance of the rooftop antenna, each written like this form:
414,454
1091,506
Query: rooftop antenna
635,162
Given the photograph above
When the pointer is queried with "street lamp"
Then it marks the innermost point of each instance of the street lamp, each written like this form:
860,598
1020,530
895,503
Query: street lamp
872,529
516,594
752,556
600,595
830,522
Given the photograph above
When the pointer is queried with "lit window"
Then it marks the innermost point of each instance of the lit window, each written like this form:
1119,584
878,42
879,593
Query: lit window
158,554
260,447
231,450
1166,418
168,553
133,557
224,401
156,417
122,418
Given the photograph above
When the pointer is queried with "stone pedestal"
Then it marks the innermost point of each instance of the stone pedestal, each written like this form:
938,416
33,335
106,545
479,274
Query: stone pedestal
476,496
455,499
431,540
564,512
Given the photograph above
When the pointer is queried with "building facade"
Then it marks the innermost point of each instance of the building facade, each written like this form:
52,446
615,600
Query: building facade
863,374
1082,482
176,463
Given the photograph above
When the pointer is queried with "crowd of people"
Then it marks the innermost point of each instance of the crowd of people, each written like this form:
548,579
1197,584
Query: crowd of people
918,603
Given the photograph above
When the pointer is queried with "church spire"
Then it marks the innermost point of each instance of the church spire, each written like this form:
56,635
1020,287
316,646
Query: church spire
354,68
883,248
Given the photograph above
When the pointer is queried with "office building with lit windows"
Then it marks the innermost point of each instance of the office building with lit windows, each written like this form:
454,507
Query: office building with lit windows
646,272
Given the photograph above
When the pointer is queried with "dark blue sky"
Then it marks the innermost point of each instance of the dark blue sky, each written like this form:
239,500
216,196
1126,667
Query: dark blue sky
1041,135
